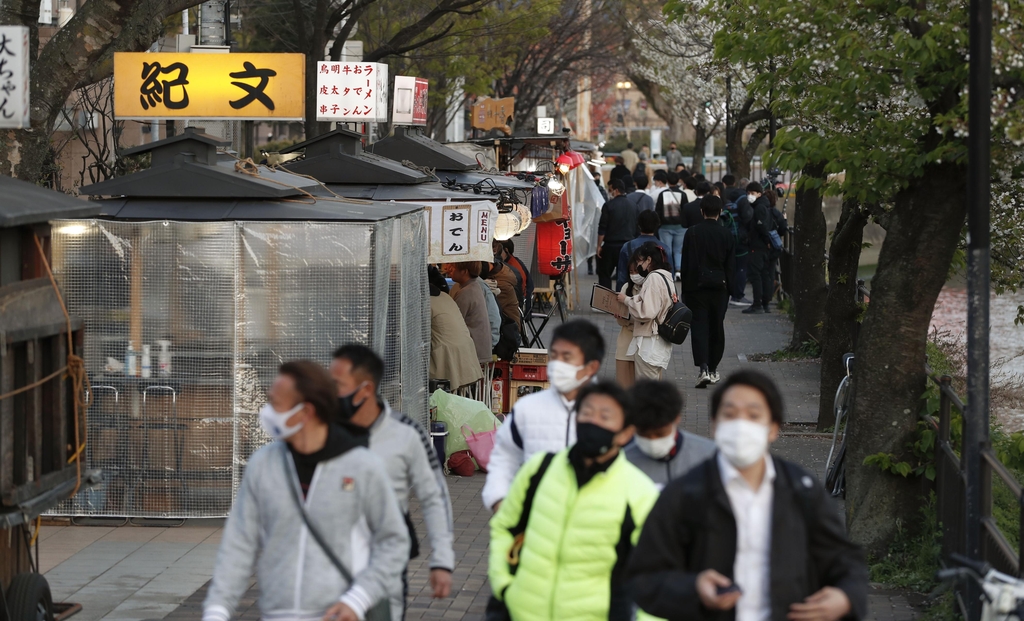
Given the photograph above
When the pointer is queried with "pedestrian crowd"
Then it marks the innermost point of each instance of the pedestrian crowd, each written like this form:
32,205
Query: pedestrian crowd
711,238
603,508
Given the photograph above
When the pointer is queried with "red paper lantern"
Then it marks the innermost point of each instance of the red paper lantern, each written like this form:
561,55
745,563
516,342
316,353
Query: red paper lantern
554,247
564,163
577,158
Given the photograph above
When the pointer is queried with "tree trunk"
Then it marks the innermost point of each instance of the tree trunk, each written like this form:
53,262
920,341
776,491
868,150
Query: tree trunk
808,287
736,159
922,234
700,139
840,306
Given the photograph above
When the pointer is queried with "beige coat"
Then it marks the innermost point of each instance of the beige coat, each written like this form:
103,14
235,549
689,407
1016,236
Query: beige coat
452,352
651,304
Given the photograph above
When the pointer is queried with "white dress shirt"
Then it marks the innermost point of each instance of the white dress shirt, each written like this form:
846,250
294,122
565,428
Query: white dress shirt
752,509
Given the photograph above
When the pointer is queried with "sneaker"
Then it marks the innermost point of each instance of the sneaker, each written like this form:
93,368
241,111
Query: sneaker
766,310
740,302
703,379
715,377
678,277
753,310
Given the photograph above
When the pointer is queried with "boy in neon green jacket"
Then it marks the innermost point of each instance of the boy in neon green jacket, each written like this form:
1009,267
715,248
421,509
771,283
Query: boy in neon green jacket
584,510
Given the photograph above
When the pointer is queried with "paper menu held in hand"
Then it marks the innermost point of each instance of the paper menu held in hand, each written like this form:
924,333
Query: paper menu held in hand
606,300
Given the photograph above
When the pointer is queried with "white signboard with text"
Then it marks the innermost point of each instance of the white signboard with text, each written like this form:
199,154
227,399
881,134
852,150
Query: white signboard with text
355,92
461,231
14,77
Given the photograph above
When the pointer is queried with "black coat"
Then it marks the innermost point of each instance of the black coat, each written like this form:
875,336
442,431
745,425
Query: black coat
692,215
707,245
692,528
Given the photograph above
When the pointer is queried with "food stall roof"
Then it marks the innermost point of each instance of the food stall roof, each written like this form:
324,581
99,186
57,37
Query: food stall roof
26,203
338,157
424,191
517,142
189,166
476,177
324,209
408,143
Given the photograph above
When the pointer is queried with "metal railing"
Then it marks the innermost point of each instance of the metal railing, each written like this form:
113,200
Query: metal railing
951,490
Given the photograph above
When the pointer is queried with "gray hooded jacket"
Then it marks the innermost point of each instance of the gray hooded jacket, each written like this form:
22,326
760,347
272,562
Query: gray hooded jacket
691,450
349,500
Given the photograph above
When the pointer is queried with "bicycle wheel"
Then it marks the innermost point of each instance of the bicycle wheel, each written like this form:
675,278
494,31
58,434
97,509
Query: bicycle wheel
835,476
840,407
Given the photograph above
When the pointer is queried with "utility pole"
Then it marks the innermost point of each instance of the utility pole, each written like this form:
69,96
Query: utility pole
728,119
976,432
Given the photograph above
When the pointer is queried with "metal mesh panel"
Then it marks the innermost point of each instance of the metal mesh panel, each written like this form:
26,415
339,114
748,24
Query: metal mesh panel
164,442
234,300
415,320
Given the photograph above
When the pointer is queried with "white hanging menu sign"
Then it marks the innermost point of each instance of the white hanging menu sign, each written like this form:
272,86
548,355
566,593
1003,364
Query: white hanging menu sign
351,92
14,77
461,231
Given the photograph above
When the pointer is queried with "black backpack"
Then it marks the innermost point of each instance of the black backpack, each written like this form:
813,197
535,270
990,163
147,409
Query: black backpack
676,326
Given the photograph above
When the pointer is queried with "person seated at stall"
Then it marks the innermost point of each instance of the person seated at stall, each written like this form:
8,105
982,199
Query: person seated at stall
452,351
505,252
469,296
508,298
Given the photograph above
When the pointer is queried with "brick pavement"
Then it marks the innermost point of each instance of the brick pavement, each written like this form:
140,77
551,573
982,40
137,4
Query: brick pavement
745,335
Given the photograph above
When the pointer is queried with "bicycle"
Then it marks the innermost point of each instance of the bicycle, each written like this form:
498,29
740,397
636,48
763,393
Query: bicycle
1002,594
835,470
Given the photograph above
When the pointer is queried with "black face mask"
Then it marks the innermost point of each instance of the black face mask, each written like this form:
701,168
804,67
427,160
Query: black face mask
348,406
592,440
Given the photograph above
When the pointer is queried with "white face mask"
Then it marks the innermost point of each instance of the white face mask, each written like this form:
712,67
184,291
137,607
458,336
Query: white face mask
742,442
656,448
752,198
637,279
276,423
562,376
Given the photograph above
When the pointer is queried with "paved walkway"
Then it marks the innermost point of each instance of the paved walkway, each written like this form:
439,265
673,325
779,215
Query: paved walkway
145,573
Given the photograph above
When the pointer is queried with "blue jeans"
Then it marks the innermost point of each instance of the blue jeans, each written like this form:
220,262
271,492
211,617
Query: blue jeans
671,235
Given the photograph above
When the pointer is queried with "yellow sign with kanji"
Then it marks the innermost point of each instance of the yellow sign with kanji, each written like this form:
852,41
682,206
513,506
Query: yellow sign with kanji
209,86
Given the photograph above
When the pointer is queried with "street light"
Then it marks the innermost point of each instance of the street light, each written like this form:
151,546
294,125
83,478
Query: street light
622,88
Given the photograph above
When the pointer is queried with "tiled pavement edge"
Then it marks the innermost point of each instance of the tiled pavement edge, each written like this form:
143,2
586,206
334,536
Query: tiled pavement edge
148,579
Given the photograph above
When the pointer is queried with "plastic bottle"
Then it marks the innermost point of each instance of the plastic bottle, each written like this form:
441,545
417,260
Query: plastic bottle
147,363
163,358
131,363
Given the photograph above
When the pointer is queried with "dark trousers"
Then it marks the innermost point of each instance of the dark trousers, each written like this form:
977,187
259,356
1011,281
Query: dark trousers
760,273
740,279
607,261
707,330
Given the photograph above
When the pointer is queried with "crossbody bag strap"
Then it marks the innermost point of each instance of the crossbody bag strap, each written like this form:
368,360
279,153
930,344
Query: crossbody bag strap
312,529
671,290
519,530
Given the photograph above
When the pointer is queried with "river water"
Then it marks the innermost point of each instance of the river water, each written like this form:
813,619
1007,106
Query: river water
1006,343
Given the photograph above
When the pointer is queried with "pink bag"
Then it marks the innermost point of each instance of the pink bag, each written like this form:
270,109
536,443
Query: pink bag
480,444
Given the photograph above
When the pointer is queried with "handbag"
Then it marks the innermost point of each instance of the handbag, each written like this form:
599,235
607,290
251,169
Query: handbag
676,326
496,608
379,612
480,444
461,463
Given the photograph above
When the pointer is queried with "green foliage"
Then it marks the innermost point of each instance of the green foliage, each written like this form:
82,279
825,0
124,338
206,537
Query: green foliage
786,306
914,555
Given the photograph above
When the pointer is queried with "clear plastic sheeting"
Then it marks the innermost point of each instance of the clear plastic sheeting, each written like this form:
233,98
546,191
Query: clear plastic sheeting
210,310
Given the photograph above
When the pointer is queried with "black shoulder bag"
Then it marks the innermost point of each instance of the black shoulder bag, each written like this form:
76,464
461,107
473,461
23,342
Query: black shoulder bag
496,609
676,326
382,610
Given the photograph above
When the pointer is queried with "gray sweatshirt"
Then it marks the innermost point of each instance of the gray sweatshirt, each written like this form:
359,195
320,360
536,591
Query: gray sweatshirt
691,450
412,465
351,502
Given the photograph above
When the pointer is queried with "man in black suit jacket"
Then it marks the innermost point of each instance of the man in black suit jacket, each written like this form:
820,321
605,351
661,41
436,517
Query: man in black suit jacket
746,535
